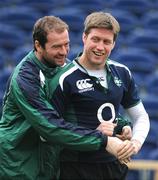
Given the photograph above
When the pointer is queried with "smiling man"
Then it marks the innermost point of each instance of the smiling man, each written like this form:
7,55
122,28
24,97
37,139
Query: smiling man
91,91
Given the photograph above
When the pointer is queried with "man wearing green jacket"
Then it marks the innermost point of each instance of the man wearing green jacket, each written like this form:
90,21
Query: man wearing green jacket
32,133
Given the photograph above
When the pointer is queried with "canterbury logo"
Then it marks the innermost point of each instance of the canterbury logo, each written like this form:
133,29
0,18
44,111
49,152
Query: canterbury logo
83,84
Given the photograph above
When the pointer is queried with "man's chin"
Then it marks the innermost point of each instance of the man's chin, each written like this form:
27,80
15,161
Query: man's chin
61,63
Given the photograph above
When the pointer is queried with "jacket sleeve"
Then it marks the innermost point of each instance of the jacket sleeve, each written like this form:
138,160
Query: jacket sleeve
32,102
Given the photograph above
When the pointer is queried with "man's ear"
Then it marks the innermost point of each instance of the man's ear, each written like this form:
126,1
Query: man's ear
113,45
84,37
38,46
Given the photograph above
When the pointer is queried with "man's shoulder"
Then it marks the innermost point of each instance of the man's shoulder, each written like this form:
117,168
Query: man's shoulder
62,72
67,69
116,64
67,66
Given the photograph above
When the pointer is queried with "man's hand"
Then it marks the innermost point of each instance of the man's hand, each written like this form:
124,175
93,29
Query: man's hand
137,146
125,161
116,145
107,128
127,151
130,148
126,133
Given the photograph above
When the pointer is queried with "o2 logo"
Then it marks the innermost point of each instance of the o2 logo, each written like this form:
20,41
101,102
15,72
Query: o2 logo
100,110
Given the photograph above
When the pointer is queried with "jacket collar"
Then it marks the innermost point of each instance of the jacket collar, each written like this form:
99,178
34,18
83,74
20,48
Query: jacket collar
48,71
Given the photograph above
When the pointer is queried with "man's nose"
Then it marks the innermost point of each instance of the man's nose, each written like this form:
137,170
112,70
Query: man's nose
100,45
64,50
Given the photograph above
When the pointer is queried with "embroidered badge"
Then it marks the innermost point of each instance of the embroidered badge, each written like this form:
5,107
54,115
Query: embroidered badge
117,81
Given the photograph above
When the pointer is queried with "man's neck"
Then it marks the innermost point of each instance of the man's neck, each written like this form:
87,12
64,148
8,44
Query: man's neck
44,61
89,66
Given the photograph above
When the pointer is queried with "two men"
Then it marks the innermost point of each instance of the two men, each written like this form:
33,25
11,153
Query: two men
32,132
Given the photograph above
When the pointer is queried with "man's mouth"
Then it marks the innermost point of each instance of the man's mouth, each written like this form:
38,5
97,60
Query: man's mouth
98,53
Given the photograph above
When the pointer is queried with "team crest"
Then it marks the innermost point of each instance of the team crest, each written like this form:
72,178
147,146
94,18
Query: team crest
117,81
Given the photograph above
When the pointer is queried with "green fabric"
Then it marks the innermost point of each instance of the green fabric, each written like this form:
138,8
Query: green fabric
121,122
23,155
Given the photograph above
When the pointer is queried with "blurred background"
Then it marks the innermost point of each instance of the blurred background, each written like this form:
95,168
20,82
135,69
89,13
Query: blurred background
136,46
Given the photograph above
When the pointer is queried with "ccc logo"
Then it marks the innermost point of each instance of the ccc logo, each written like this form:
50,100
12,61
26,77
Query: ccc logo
83,84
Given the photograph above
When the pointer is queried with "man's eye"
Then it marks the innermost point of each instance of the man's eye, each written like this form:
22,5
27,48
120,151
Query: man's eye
107,42
67,44
55,47
95,39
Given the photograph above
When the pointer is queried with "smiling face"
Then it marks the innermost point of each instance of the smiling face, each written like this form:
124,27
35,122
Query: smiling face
51,40
56,49
98,44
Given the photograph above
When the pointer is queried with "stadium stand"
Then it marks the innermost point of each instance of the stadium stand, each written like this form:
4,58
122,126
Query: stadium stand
75,51
2,59
87,6
151,105
4,76
72,16
137,59
9,40
22,17
152,85
128,21
137,47
150,20
134,6
140,61
147,169
145,38
19,53
8,3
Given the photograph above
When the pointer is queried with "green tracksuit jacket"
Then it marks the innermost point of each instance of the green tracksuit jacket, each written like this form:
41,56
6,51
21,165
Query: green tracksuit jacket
31,131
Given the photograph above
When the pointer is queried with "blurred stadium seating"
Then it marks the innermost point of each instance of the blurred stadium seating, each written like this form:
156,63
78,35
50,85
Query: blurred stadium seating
22,17
151,104
19,53
72,16
139,60
152,85
137,7
87,6
128,21
145,38
137,44
11,37
2,59
150,20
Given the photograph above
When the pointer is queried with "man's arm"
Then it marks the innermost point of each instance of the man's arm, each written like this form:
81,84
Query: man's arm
32,102
58,131
141,124
141,127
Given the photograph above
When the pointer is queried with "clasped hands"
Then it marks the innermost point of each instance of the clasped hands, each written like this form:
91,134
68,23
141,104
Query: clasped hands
122,146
